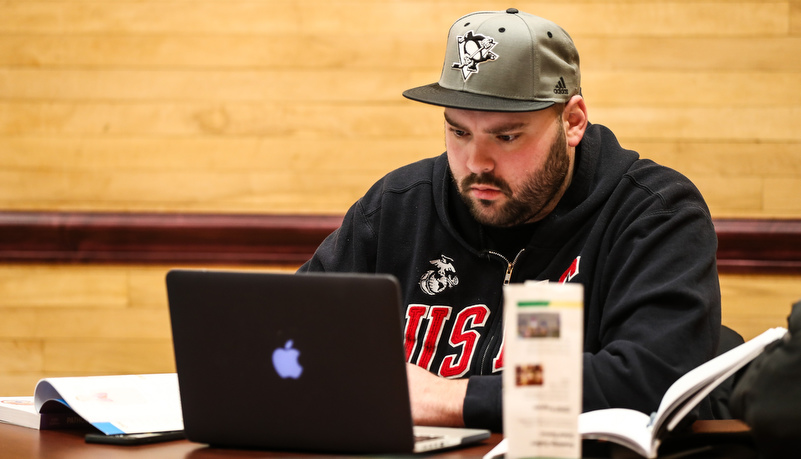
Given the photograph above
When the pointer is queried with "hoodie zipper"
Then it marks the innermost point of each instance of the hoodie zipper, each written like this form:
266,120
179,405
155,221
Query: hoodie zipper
507,278
510,265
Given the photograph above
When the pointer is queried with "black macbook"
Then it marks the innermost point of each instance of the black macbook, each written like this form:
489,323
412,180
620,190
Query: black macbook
310,362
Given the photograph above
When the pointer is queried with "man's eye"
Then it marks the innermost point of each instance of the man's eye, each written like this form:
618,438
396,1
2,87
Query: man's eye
507,138
458,132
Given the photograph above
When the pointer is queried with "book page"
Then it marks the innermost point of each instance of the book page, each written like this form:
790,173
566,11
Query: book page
690,389
542,376
623,426
638,432
19,411
118,404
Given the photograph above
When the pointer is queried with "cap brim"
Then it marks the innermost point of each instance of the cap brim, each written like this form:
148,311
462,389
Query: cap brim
435,94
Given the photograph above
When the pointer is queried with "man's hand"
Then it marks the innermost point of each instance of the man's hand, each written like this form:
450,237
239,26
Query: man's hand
435,401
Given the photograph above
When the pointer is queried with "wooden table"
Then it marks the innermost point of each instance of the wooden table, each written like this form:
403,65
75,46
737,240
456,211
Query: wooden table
23,443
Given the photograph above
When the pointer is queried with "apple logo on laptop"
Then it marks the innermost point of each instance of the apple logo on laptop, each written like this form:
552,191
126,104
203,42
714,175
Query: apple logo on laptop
285,361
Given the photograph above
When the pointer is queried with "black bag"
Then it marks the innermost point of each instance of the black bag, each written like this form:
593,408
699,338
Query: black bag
768,395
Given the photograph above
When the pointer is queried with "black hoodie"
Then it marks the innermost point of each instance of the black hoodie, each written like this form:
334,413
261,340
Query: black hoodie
637,235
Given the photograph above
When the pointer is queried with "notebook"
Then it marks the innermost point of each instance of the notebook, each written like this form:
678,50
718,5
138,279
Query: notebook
310,362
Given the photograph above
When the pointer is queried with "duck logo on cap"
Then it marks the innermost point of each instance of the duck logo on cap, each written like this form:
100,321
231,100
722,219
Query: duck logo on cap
473,50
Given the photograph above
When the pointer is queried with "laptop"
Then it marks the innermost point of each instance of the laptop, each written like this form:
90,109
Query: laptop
309,362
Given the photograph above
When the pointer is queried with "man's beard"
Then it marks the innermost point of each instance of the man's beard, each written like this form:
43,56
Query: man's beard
527,203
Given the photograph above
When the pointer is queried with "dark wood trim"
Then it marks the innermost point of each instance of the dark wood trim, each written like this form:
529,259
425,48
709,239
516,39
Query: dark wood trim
759,246
87,237
745,245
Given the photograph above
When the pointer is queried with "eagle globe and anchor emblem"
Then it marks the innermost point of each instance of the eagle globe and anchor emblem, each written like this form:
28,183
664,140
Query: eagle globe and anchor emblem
437,280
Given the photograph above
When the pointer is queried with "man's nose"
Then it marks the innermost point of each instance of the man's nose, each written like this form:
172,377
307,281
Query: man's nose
479,159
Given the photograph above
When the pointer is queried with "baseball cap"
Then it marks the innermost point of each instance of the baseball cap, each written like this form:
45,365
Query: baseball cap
507,61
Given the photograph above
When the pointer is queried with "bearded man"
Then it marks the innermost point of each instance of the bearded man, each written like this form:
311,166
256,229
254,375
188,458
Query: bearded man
529,189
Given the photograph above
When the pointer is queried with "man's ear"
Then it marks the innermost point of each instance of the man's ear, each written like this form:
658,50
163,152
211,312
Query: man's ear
575,120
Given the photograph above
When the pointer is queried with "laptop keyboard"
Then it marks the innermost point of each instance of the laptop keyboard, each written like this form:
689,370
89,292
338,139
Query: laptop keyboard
418,438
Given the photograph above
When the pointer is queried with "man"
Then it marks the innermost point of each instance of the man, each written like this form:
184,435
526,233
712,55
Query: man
529,189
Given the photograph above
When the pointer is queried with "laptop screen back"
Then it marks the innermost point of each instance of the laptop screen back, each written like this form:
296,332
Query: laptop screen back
290,361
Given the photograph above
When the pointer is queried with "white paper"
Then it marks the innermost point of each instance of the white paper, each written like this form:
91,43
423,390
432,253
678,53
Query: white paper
620,425
542,376
19,411
118,404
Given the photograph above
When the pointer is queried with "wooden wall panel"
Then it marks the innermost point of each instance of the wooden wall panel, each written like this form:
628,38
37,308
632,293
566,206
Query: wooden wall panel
626,18
247,54
46,286
123,330
132,322
109,356
795,17
88,88
754,303
21,357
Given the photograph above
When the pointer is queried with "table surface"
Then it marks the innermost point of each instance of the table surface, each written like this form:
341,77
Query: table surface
23,443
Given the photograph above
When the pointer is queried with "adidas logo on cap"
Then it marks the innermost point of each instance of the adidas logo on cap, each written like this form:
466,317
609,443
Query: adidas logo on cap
561,87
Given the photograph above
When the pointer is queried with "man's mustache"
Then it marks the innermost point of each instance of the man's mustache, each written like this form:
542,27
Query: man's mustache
486,179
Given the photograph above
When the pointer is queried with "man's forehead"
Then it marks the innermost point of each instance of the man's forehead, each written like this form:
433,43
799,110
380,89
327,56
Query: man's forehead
493,121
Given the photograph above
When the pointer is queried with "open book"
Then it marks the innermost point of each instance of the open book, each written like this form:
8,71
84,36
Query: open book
642,433
21,411
112,404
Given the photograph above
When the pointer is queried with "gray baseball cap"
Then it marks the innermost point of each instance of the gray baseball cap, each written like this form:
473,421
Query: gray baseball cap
506,61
